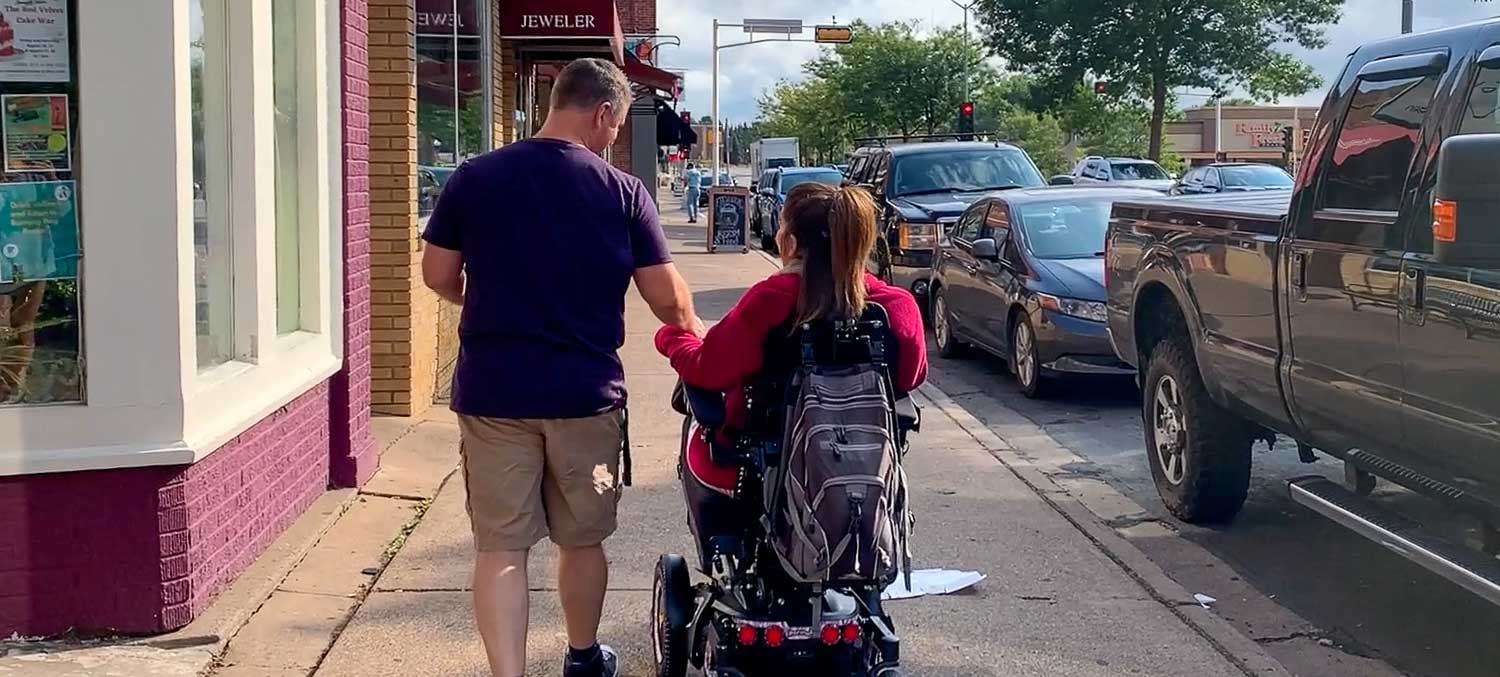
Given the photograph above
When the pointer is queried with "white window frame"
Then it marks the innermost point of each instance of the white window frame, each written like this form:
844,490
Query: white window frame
147,403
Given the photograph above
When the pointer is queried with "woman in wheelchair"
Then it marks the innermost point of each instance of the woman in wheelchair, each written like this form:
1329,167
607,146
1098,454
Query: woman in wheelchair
733,625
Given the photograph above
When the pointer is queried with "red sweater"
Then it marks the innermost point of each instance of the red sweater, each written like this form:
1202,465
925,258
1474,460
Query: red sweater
731,353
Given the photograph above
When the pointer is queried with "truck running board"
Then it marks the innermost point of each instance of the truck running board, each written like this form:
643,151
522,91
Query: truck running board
1465,566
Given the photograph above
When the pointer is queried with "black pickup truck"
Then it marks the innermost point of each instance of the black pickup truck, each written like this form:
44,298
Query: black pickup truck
1357,313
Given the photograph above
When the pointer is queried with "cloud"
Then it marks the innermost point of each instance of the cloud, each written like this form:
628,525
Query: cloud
747,72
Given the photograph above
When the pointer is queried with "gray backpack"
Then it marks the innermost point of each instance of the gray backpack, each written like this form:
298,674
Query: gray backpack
838,499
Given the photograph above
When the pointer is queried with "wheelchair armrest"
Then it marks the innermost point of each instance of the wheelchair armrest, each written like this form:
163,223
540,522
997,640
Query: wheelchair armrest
908,415
705,406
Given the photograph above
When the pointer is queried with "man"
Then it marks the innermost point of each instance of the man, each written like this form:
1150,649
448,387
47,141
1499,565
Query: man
691,191
539,242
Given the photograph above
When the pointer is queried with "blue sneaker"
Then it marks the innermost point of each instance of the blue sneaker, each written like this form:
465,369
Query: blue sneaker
602,663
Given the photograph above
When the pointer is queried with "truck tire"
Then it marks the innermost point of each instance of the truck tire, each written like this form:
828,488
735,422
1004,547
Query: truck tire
1199,453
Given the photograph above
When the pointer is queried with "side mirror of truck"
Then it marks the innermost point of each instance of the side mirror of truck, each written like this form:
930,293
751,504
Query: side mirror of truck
1466,202
1061,180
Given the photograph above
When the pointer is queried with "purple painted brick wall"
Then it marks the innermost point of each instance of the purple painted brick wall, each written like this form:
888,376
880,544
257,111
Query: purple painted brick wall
147,549
354,455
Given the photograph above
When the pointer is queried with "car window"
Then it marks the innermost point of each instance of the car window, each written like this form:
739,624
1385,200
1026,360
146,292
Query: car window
1367,168
831,177
857,170
1255,176
1065,229
967,228
879,168
1211,177
967,170
1137,171
997,222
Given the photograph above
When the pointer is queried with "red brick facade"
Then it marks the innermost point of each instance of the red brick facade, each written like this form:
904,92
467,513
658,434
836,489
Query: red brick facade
145,550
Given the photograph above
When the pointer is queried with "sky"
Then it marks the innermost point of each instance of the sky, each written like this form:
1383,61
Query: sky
747,72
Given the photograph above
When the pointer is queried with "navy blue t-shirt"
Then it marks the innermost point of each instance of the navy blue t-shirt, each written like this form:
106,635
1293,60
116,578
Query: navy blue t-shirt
550,235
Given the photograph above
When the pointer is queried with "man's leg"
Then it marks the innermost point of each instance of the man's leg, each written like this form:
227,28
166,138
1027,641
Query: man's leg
503,464
581,489
501,608
582,578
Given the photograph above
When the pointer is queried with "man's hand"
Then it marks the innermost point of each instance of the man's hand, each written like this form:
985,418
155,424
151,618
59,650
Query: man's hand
443,272
669,297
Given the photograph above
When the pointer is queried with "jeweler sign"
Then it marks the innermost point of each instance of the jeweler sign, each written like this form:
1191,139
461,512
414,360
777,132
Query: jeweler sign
535,19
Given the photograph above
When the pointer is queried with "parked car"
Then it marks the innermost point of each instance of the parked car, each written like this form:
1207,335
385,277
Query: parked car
1021,275
1134,172
1231,177
771,192
706,181
430,182
922,188
1358,314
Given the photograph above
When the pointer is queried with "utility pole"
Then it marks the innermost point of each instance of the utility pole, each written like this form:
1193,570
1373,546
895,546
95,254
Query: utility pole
969,95
1406,12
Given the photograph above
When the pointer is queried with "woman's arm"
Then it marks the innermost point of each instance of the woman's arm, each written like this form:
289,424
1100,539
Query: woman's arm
731,351
911,341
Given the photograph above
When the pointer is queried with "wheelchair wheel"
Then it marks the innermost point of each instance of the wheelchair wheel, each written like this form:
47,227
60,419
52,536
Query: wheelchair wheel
671,611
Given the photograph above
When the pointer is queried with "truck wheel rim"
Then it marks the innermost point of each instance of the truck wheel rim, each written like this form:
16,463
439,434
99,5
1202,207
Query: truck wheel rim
1169,430
1025,364
940,319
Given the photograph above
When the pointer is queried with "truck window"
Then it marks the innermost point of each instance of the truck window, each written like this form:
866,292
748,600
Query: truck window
1374,149
1484,99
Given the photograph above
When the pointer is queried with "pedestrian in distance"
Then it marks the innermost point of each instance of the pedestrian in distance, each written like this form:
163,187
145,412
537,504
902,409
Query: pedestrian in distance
692,191
539,242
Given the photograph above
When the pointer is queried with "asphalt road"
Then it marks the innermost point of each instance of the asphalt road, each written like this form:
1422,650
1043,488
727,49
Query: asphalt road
1354,596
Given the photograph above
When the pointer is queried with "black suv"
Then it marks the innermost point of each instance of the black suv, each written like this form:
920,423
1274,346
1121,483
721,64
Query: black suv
922,187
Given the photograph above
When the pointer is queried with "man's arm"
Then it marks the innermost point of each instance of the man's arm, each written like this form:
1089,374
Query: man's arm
443,272
669,297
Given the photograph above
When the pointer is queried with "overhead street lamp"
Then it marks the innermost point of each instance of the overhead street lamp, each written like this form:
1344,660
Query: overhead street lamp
785,28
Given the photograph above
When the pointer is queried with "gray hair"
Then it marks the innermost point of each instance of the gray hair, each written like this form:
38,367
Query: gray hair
586,83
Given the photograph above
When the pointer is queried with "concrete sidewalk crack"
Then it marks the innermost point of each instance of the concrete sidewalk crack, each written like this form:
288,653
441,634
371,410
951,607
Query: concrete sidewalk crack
399,497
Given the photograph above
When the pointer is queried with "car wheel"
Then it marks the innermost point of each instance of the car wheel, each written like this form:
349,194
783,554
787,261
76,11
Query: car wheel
1199,453
942,326
671,611
1025,360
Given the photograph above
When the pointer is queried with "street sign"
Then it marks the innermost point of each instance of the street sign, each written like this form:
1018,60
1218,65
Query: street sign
777,26
833,34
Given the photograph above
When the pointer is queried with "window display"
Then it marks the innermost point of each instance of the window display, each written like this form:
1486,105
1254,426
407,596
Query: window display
451,115
41,347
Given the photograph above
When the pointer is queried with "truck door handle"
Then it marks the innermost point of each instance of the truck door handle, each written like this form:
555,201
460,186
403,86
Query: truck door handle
1416,280
1299,274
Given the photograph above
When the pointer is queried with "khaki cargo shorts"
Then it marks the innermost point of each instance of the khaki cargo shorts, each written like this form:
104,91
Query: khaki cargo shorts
528,479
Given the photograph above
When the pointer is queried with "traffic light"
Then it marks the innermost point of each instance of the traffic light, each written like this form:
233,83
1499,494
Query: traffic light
966,117
1286,139
687,118
1100,87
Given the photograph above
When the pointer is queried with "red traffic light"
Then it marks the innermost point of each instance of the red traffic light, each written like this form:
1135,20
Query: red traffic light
966,108
687,117
1099,87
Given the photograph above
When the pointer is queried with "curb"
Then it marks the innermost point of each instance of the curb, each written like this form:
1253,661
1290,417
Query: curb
1240,650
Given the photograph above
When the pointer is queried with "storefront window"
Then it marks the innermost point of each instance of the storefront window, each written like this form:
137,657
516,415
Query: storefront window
451,115
41,349
213,264
284,20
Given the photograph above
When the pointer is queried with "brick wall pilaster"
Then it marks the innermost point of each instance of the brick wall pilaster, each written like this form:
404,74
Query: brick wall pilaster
353,456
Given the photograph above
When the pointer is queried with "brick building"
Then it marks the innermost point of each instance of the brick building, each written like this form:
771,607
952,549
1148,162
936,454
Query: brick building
171,407
451,79
1240,133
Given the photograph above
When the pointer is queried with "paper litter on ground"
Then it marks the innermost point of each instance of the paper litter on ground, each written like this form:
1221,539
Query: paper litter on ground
932,582
1203,600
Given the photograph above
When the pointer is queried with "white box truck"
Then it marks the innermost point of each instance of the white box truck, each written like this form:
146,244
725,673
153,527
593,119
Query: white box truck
773,152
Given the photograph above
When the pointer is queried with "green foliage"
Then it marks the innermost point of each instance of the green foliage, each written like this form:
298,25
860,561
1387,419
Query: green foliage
1146,48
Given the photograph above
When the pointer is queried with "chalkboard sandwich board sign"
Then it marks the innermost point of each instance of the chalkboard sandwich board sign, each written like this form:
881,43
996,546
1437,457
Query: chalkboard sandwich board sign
728,225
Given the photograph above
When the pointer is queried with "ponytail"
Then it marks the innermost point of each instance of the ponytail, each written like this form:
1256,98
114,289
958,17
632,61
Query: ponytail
834,230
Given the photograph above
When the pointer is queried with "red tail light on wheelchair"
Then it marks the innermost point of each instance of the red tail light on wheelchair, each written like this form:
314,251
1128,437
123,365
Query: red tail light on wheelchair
775,636
749,635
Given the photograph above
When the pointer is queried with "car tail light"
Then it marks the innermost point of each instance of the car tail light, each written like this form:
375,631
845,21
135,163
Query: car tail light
831,634
775,636
1444,220
749,635
851,633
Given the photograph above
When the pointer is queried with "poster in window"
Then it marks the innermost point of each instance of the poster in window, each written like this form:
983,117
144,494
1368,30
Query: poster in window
36,132
34,41
38,231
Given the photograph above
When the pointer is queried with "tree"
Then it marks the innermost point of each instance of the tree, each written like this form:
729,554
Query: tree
1146,48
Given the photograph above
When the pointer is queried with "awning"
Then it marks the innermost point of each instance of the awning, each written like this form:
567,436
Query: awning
578,21
650,76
